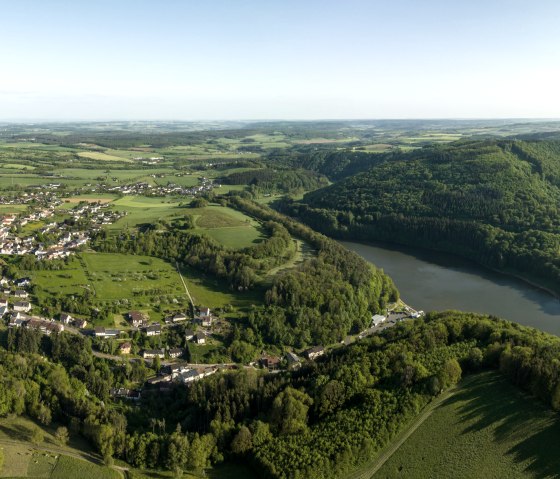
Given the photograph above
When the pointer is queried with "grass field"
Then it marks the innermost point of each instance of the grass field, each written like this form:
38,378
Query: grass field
230,227
47,459
487,429
118,276
97,155
90,198
7,209
142,280
142,209
213,293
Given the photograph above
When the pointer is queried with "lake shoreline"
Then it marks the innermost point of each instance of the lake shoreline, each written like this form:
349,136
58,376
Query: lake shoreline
408,249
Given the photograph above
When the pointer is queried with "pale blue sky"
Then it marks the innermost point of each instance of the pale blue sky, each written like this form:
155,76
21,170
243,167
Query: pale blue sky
273,59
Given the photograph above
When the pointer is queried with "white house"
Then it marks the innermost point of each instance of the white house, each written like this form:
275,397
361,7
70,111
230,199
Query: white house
22,306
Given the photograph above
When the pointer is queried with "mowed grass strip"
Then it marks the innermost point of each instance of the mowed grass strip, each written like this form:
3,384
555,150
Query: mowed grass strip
487,429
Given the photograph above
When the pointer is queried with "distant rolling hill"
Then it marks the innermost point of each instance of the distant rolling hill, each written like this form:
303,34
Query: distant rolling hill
495,202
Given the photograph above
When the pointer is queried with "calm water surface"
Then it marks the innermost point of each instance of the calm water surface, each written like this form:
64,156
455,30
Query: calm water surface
434,281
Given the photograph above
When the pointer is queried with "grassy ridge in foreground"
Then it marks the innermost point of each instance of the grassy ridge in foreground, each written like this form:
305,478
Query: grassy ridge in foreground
488,428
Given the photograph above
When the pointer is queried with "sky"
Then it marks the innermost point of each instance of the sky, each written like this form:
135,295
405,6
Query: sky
278,59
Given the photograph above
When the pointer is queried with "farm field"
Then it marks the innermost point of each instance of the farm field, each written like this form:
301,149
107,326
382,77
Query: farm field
230,227
488,428
98,155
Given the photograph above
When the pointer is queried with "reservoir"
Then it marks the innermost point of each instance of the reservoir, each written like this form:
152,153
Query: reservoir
434,282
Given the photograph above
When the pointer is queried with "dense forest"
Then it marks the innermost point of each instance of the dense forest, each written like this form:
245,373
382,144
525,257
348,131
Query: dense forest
495,202
269,180
319,421
333,163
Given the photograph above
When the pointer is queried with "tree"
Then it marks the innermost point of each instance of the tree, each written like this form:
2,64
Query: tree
243,441
61,435
450,373
289,411
37,436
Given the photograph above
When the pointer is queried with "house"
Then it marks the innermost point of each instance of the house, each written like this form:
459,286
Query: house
188,376
65,318
202,311
17,320
175,352
44,326
101,332
189,334
293,360
125,348
314,352
20,293
3,302
22,306
205,321
377,319
136,318
179,317
200,338
123,393
3,310
23,282
153,330
270,362
153,353
80,323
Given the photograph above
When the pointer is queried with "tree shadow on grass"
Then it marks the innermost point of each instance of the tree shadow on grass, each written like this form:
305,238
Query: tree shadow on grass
16,431
490,401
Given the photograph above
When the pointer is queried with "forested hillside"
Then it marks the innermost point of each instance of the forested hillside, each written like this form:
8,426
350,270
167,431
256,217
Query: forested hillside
495,202
319,421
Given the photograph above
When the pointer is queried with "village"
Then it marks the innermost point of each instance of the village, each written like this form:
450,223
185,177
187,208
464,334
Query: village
170,367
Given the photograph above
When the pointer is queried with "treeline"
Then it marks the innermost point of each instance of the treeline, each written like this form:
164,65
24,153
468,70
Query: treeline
270,180
495,202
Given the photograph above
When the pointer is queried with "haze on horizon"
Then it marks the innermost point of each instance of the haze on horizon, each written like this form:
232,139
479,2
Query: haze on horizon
290,59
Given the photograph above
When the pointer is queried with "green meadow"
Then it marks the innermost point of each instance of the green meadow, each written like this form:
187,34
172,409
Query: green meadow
48,459
232,228
142,210
488,428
